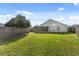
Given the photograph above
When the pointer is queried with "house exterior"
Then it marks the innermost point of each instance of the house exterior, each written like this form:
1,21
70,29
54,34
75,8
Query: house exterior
54,26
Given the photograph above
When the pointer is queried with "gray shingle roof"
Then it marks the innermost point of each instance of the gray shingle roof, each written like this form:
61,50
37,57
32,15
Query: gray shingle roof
54,21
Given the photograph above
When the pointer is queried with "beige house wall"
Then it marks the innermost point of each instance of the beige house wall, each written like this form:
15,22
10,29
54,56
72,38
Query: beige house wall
53,26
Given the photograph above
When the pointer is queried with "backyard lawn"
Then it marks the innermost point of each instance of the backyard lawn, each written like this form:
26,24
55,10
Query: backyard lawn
42,45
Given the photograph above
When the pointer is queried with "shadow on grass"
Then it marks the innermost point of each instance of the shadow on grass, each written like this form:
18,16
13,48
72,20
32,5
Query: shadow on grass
14,39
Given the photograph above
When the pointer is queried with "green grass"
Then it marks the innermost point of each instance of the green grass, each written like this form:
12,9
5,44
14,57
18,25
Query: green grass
42,45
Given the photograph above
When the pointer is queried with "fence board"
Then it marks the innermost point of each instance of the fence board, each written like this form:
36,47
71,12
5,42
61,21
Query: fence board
77,30
11,33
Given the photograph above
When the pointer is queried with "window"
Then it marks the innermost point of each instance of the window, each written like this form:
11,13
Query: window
58,28
54,30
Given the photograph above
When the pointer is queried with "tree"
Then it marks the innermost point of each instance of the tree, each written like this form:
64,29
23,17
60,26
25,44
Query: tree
71,28
18,21
11,23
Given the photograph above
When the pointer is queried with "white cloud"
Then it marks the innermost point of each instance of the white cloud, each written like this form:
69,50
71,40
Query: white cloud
8,15
1,15
76,4
74,17
27,14
61,9
70,20
60,18
5,18
24,12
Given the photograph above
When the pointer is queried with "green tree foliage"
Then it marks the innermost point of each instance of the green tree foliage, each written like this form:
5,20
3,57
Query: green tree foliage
18,21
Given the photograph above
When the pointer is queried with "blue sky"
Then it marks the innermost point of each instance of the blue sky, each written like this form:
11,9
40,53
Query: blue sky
38,13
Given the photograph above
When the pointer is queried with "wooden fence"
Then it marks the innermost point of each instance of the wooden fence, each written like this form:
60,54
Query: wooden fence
77,30
11,33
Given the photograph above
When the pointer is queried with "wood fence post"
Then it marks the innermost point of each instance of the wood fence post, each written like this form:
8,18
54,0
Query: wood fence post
77,30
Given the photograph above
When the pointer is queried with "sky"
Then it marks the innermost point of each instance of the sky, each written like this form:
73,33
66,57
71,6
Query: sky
37,13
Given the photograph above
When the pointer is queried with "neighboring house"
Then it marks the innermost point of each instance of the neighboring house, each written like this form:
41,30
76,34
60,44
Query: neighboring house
2,25
54,26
